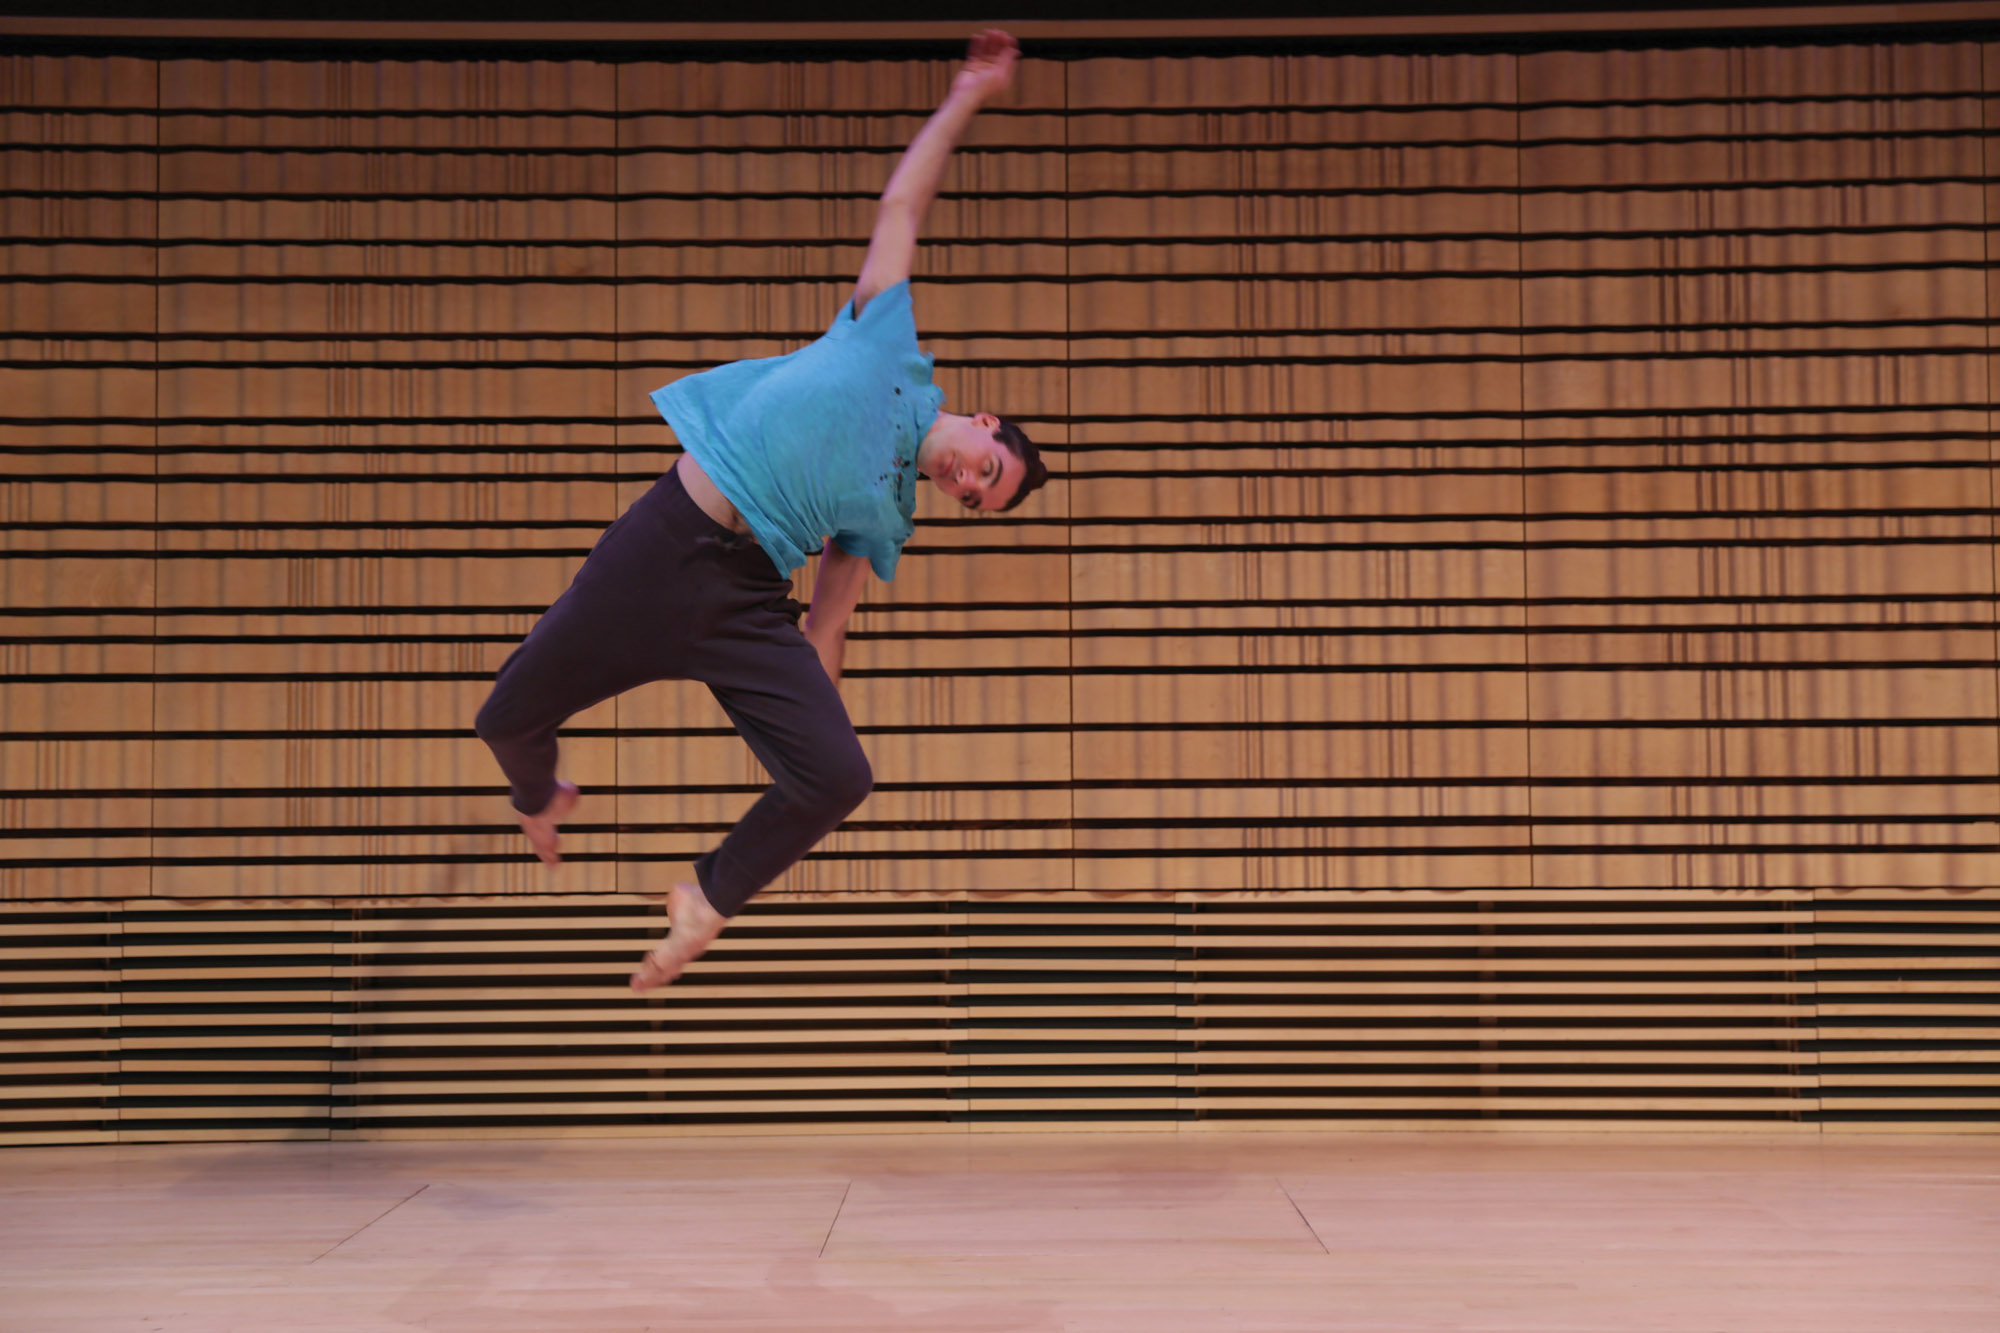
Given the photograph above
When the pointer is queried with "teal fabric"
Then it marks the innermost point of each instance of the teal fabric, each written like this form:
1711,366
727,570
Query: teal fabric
821,442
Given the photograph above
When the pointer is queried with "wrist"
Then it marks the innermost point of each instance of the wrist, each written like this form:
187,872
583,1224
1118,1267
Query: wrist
969,97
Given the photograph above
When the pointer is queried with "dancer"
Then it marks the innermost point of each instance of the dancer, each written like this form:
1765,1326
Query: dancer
816,450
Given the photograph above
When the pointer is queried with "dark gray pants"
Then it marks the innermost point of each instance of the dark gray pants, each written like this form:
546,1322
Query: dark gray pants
669,593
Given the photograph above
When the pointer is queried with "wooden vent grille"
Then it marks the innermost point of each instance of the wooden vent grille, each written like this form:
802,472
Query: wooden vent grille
1415,1009
1909,1008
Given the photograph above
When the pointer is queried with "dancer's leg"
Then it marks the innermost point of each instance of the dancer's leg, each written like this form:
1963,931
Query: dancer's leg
558,672
626,620
770,682
565,665
795,723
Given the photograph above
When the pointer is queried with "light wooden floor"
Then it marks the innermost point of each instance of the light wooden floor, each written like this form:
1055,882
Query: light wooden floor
983,1233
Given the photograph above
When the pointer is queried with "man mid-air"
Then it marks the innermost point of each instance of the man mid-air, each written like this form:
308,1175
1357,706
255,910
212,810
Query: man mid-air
818,450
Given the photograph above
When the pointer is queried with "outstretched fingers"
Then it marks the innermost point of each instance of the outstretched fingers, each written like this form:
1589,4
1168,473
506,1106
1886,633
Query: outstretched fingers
992,44
989,62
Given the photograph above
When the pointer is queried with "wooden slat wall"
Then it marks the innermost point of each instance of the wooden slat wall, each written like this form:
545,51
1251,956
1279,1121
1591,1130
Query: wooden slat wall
1839,1011
1512,638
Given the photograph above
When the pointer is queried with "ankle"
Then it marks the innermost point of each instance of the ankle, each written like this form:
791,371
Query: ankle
697,911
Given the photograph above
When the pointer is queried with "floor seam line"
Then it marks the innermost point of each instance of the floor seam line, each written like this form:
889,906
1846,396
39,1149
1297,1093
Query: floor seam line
1311,1230
369,1223
828,1238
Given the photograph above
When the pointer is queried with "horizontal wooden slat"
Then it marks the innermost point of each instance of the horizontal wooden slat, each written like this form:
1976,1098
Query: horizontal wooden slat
1009,1008
1549,486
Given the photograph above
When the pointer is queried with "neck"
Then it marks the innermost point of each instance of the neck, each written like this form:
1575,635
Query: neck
933,442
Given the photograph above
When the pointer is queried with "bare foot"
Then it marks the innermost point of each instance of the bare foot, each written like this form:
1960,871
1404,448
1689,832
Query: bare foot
541,828
692,926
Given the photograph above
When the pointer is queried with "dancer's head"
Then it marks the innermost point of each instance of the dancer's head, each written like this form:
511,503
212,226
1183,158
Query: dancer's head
981,461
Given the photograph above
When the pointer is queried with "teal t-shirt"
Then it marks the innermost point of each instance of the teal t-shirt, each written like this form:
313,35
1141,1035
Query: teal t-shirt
821,442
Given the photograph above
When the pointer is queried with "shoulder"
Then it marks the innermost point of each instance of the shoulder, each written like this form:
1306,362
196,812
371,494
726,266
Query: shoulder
888,313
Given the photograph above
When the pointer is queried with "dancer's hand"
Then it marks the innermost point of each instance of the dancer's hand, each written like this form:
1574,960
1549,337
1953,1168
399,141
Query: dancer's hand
989,65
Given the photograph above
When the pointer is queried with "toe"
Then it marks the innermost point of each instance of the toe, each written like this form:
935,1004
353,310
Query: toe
657,968
545,844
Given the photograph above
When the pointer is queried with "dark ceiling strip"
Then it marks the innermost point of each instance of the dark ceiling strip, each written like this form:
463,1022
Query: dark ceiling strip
584,153
1497,190
627,241
460,114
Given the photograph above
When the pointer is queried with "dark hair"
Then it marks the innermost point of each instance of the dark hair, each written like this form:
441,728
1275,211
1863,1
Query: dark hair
1033,473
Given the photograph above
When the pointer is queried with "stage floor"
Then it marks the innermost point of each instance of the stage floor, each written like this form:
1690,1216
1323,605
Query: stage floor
977,1233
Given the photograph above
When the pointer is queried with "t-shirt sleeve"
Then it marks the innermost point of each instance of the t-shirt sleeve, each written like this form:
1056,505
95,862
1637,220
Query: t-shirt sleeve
889,321
880,554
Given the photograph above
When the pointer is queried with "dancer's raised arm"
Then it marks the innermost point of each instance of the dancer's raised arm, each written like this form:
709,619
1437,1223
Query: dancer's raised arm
989,69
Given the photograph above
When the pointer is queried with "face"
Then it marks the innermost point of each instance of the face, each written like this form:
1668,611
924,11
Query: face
975,469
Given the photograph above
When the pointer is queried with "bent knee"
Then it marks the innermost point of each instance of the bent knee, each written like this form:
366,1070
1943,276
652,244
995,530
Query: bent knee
495,720
839,788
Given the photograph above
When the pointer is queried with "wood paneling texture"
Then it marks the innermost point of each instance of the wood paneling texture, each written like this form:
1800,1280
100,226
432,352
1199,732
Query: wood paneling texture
1511,637
1851,1010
